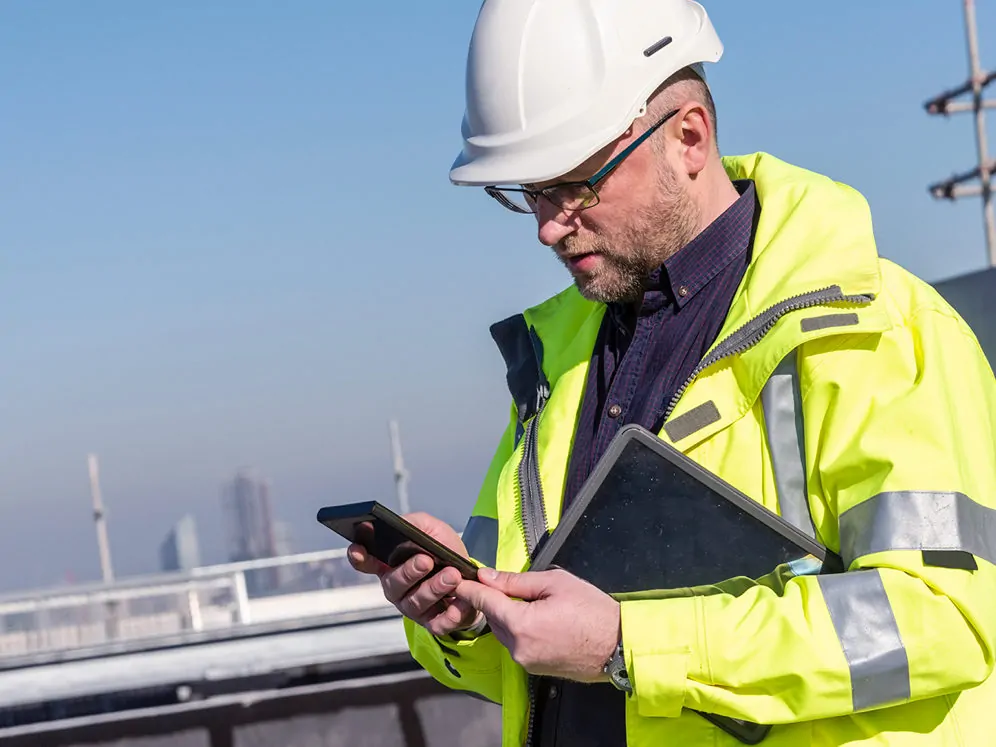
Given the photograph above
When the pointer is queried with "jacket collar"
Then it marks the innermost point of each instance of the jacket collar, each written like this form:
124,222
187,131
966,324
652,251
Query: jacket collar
812,233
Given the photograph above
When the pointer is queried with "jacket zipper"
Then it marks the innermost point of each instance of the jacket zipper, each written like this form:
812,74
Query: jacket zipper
534,525
534,520
753,331
533,687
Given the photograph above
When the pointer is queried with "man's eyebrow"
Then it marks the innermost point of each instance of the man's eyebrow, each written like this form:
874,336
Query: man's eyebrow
602,156
564,179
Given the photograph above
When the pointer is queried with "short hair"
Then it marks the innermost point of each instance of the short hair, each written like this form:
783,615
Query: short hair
682,87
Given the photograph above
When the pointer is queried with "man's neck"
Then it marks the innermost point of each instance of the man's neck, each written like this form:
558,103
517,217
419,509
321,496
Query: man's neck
714,193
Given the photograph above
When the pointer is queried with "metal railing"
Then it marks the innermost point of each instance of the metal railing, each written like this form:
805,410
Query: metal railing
212,598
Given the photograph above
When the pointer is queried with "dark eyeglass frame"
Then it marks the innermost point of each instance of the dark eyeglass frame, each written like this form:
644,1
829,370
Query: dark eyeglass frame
572,190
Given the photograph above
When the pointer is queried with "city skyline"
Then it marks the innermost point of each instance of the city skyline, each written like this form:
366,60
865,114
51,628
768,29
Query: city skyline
246,538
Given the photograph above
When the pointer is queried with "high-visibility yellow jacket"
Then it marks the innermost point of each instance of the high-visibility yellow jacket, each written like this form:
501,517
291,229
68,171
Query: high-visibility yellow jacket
895,454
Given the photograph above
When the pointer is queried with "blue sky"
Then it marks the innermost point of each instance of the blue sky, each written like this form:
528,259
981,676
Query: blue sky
228,238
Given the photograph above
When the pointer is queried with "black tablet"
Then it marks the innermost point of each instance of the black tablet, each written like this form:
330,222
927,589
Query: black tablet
649,518
649,521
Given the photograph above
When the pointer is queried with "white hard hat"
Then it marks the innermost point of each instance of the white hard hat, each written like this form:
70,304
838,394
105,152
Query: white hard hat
552,82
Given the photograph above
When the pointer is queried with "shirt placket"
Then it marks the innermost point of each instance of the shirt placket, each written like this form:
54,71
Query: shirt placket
619,401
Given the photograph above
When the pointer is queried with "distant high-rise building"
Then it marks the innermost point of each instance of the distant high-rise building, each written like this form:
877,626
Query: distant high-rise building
284,545
249,518
180,550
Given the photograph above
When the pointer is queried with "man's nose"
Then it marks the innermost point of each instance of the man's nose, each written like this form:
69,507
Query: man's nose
553,224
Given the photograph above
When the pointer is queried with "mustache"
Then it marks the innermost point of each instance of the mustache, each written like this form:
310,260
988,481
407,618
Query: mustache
574,246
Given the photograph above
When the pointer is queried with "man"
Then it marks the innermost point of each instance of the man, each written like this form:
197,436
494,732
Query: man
737,307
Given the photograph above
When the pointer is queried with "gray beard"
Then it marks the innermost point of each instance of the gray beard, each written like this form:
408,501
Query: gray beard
657,233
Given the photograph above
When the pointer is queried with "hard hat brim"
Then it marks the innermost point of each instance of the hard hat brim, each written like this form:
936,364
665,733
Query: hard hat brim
501,167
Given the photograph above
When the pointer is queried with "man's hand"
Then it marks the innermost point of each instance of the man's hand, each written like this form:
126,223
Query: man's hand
565,627
430,604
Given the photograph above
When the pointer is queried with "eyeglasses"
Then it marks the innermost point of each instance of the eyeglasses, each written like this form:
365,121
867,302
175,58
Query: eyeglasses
569,196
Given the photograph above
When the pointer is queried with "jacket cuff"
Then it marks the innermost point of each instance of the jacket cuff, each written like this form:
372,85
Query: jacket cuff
659,643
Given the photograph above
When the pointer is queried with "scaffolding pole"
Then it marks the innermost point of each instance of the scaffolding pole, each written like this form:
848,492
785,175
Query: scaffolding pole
400,473
112,612
955,187
100,520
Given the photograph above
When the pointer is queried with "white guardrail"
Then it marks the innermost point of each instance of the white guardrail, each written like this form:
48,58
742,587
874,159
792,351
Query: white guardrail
205,600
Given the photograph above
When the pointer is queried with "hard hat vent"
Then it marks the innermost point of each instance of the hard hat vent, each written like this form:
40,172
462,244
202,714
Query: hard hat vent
654,48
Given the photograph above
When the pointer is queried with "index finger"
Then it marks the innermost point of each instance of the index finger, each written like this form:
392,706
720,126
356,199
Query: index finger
364,562
495,605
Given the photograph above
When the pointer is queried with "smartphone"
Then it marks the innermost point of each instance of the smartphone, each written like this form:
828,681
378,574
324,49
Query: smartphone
390,538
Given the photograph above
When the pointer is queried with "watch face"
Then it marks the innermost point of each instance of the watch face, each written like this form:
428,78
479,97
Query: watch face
620,679
616,669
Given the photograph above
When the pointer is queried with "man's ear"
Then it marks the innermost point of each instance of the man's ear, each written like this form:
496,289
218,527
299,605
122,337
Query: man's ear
696,135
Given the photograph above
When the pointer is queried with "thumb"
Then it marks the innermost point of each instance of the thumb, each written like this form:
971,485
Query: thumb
526,586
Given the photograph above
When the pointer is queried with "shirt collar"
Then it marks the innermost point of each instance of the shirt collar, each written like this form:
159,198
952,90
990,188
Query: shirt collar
724,240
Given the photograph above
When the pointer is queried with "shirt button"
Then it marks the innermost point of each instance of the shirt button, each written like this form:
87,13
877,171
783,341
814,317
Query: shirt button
554,692
683,291
615,411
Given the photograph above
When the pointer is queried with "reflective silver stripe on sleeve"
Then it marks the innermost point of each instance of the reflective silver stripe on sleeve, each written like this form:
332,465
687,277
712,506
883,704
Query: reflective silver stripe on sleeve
918,520
782,405
869,636
481,538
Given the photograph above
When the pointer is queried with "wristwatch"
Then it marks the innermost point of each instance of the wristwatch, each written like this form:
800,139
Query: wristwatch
478,628
615,667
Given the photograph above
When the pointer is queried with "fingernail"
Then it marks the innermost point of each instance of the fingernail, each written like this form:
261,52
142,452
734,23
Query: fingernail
422,563
449,579
488,574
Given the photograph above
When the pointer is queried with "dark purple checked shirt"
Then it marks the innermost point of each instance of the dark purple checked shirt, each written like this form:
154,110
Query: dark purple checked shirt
643,355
